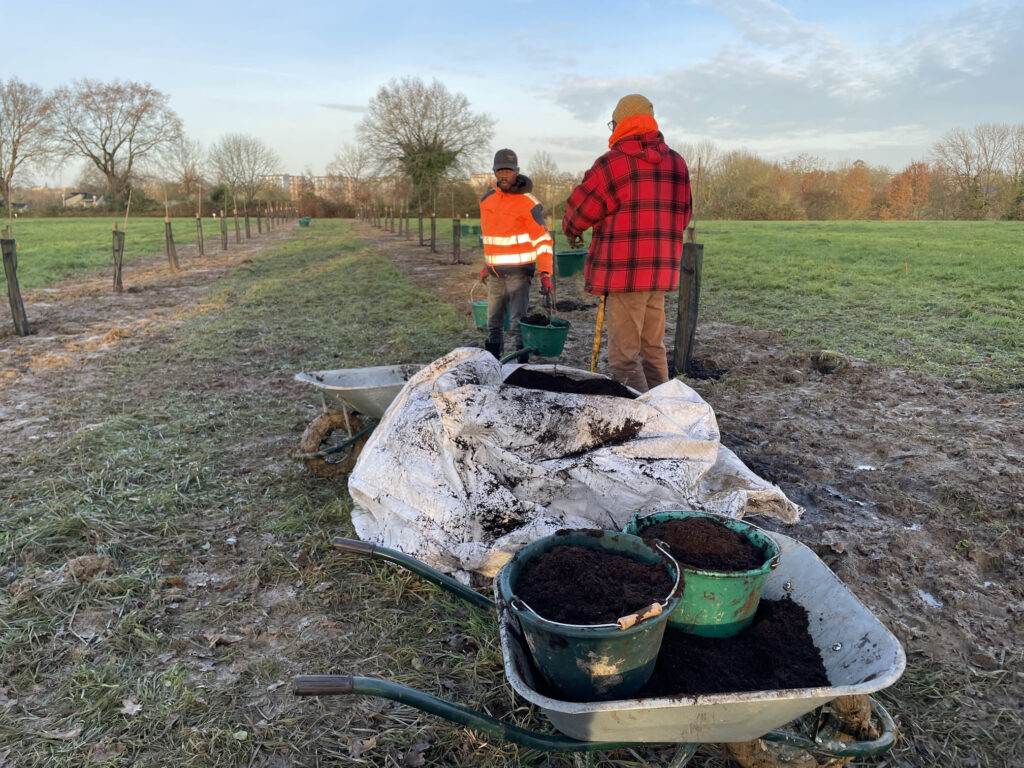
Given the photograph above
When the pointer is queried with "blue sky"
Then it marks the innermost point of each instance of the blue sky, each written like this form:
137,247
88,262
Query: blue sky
876,81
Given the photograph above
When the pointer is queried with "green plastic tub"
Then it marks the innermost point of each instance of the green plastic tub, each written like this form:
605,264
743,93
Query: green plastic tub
589,662
547,340
480,315
569,263
716,603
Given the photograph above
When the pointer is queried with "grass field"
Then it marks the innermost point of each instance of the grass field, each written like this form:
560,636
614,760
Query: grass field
942,297
225,582
51,249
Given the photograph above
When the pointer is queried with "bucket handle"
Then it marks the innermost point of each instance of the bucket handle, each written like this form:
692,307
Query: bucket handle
521,605
473,289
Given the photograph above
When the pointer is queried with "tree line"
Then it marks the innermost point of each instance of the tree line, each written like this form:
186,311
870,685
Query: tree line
129,139
418,144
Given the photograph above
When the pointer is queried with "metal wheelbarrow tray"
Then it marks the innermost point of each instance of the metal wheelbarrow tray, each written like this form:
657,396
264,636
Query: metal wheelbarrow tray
365,390
860,656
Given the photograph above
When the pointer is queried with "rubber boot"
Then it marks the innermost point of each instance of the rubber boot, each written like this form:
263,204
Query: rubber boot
494,349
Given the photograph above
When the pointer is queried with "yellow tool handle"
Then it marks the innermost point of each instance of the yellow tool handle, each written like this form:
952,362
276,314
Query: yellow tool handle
597,335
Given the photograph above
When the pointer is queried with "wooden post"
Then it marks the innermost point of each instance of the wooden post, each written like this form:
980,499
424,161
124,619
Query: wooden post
172,252
238,231
10,256
259,221
199,236
248,229
223,231
270,216
456,241
421,227
689,297
433,233
118,247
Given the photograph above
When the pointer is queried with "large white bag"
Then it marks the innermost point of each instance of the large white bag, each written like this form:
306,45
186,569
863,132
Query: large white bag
464,470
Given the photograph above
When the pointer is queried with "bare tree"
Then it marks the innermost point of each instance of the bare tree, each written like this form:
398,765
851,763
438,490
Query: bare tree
348,170
243,163
423,131
25,131
115,126
182,164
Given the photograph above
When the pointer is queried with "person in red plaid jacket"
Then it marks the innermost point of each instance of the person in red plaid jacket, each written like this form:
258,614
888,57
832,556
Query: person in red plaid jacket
636,197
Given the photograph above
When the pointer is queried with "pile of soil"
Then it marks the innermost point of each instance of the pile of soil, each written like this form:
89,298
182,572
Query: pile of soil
537,319
774,652
580,585
700,542
530,379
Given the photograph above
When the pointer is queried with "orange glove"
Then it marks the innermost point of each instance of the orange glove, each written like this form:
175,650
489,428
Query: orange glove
484,274
546,286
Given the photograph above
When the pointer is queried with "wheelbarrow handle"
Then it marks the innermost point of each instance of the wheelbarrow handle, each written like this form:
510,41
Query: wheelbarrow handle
443,580
328,685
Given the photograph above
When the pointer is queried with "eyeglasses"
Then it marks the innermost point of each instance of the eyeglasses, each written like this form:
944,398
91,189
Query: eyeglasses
611,125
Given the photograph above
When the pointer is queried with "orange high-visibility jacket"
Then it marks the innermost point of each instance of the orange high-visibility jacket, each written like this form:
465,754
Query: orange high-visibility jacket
512,226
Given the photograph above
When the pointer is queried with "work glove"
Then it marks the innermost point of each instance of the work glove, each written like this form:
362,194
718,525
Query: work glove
484,274
575,241
545,284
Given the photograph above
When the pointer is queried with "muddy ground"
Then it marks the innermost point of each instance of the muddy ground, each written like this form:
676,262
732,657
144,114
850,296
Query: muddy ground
912,487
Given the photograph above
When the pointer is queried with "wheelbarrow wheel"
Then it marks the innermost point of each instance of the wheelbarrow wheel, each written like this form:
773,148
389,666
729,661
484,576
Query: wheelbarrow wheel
320,435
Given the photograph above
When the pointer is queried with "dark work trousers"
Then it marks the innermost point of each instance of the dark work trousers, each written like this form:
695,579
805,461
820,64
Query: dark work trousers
513,292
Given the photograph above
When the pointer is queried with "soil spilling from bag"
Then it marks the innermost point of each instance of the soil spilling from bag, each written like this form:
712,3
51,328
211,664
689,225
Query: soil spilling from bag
581,585
705,544
774,652
530,379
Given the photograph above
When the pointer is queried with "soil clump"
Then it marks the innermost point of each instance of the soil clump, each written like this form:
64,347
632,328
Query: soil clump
775,652
529,379
706,544
581,585
537,319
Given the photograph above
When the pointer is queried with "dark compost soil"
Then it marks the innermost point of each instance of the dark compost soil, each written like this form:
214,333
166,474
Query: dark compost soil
706,544
774,652
537,319
529,379
581,585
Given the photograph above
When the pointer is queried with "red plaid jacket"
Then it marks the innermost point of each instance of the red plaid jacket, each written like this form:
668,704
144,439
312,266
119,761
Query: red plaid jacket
637,198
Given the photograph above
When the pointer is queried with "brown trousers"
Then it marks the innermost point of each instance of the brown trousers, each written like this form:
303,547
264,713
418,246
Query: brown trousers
636,338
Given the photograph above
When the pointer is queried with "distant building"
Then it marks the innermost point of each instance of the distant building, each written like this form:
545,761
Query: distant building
81,200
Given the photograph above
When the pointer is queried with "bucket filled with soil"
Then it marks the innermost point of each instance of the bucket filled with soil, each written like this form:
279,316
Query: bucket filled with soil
592,606
724,563
544,334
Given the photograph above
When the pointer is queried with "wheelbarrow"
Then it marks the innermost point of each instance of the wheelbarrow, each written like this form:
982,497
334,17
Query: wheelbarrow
859,654
354,400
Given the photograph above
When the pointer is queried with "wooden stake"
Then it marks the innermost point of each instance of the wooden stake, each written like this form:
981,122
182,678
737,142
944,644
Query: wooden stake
9,247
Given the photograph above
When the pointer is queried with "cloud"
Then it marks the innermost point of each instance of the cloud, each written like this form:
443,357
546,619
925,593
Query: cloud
784,81
344,107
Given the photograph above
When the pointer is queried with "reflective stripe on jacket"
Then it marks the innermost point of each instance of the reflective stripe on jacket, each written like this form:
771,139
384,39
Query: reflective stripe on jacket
513,230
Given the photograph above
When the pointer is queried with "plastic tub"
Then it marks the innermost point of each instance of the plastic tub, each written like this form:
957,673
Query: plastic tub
589,662
716,603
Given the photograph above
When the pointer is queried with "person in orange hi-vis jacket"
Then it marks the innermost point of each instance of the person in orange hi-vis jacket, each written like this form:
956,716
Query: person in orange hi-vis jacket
517,246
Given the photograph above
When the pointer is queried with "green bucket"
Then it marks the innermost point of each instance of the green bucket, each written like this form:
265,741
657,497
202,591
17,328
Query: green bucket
546,340
570,263
716,603
480,314
589,662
